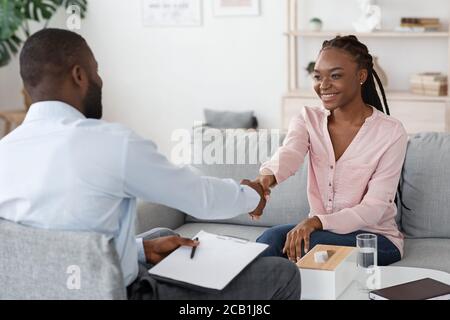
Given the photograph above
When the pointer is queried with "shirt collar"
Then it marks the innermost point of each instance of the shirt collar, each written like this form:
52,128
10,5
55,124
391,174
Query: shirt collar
368,119
52,110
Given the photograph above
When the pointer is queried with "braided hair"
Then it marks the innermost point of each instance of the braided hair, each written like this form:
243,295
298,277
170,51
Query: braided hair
364,60
369,93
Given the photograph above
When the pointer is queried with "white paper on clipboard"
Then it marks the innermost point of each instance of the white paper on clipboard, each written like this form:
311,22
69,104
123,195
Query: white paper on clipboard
218,260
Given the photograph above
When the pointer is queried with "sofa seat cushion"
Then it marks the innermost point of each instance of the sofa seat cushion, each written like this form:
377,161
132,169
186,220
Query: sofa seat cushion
427,253
426,186
246,232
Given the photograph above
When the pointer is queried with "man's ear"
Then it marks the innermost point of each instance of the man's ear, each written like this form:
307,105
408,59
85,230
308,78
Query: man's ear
79,77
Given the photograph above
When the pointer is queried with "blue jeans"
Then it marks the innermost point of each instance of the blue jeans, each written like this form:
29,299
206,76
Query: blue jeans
275,237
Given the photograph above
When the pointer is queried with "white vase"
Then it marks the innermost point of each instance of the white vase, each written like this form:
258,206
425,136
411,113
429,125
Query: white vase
381,74
370,18
315,25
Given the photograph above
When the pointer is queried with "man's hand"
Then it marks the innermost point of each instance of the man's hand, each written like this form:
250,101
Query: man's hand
159,248
257,213
301,232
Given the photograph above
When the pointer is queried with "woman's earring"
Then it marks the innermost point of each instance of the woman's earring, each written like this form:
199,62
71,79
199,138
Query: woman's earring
362,83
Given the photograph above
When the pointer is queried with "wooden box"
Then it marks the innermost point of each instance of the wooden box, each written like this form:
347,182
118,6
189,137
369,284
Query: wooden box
327,280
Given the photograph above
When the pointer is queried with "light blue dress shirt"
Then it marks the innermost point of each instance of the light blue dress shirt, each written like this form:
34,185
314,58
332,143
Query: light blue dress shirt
59,170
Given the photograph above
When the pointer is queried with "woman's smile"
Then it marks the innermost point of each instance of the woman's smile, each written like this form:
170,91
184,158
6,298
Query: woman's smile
328,96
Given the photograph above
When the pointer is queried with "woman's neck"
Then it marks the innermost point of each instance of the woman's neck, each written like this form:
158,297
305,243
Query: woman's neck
352,114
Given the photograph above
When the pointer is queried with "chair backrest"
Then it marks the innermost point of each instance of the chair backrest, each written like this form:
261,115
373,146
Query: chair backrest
48,264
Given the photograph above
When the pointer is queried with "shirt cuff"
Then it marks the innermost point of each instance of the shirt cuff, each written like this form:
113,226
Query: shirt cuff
323,220
265,171
273,169
141,252
252,198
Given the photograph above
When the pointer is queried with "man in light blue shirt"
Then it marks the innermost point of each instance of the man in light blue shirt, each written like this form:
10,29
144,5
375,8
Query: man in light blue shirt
63,168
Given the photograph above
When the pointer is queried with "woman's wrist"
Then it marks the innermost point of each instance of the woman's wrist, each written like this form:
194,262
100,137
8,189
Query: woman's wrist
317,224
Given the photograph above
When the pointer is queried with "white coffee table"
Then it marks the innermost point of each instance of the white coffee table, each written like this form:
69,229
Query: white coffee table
391,276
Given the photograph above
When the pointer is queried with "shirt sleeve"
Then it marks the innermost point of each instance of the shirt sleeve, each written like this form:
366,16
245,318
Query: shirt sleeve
291,155
381,191
141,251
148,175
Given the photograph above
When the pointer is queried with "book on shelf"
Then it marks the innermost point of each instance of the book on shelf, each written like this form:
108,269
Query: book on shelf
415,29
423,289
429,77
418,24
429,83
419,21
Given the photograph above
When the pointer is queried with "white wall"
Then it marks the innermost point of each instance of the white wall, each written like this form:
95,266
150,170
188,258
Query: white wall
160,79
157,80
10,97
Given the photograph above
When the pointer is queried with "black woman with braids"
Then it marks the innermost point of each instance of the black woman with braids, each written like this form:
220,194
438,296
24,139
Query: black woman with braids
356,153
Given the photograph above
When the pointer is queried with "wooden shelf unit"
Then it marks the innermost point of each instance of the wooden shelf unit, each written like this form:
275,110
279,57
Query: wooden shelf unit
417,112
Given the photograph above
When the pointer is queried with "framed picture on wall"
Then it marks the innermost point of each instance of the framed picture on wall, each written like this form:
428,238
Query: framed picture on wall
236,7
172,13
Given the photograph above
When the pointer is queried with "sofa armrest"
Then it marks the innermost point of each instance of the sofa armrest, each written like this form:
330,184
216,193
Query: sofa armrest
151,215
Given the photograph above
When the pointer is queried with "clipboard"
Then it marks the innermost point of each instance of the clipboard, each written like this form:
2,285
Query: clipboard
218,260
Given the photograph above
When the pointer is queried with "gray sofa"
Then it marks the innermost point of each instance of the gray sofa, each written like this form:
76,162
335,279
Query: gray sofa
425,186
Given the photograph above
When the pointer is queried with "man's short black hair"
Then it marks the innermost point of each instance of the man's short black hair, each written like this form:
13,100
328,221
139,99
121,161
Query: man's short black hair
51,53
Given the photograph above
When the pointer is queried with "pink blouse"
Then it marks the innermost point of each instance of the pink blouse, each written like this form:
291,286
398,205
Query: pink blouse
357,192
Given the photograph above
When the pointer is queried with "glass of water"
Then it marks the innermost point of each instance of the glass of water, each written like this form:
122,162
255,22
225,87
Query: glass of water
367,256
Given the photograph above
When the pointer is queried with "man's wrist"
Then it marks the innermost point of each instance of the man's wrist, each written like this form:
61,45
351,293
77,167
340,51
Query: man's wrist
253,198
147,250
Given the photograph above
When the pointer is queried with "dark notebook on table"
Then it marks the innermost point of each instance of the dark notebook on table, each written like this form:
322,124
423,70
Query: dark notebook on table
423,289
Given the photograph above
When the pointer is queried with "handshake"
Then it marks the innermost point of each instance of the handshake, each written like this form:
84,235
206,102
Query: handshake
262,185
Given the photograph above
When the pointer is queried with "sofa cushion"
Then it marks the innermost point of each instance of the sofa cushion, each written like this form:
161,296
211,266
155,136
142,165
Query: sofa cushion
29,270
426,186
426,253
229,119
246,232
152,215
288,202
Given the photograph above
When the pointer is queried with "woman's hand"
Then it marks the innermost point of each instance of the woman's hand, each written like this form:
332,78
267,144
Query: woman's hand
301,232
159,248
266,181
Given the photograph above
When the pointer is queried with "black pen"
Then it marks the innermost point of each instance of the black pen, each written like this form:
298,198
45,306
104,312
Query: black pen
193,249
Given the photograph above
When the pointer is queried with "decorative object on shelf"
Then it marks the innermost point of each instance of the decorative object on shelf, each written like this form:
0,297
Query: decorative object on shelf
370,18
429,84
310,67
408,24
381,73
315,24
236,7
172,13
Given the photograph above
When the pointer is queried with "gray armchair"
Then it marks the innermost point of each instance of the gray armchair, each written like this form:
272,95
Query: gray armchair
58,265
